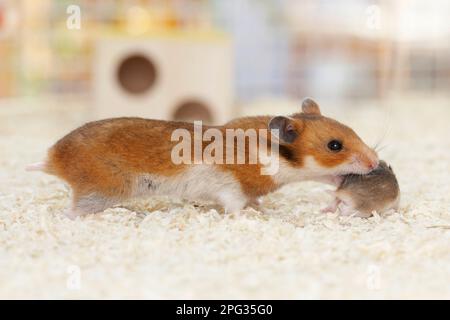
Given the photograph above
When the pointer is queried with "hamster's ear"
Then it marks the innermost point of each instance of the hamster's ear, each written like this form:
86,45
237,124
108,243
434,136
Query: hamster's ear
286,131
309,106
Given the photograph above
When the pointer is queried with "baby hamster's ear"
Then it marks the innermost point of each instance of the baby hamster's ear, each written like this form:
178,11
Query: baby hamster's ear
285,128
309,106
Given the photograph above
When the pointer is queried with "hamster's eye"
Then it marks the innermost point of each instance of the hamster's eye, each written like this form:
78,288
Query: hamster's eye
335,145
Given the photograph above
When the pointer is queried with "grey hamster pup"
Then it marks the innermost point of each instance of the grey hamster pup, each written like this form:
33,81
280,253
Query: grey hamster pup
361,195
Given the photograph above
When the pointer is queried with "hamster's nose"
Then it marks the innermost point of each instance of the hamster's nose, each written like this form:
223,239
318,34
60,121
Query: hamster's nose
373,160
373,164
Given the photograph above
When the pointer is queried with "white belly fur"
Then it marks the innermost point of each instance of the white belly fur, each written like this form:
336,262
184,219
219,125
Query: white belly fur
198,182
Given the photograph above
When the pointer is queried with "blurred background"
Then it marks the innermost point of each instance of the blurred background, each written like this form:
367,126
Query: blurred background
211,59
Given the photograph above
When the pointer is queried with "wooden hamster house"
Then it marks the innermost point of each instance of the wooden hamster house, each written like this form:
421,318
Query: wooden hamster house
173,77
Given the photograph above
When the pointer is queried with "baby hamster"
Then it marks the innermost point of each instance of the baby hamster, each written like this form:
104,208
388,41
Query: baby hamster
362,194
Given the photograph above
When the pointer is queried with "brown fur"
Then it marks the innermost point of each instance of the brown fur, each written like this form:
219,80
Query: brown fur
252,182
104,156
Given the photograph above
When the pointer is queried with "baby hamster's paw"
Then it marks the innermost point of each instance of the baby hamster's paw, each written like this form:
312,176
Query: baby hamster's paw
346,210
332,207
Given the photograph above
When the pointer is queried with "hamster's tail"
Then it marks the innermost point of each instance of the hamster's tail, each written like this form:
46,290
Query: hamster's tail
38,166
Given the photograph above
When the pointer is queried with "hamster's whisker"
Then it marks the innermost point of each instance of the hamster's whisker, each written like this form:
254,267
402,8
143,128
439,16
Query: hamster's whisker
378,148
386,130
